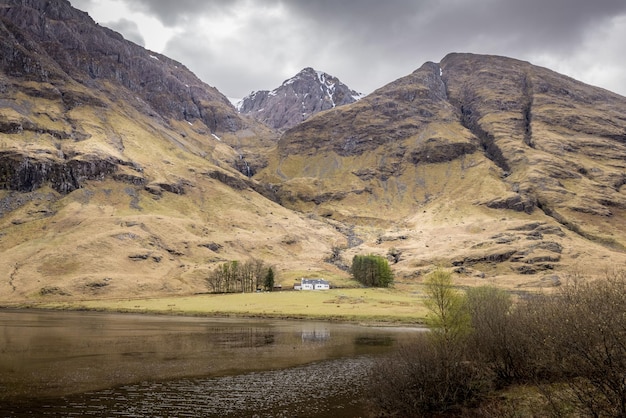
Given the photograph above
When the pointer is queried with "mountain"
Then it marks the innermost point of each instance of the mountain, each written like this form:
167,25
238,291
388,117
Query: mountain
486,163
121,173
302,96
124,175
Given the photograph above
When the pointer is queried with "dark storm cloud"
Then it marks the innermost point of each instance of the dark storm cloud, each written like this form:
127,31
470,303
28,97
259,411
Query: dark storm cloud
172,13
129,29
368,43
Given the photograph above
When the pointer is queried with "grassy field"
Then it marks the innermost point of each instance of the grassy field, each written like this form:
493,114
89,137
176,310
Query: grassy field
355,305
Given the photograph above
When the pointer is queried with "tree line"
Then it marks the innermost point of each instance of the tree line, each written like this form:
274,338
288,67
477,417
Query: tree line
568,346
238,277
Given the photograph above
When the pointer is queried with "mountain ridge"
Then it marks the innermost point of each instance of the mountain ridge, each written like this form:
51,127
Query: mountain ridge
123,175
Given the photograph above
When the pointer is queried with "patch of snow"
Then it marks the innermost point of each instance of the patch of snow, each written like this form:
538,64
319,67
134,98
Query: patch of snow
190,124
440,72
290,81
358,96
216,137
154,57
272,93
321,76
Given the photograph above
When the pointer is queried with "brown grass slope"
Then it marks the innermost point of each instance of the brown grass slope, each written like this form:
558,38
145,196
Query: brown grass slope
121,172
501,169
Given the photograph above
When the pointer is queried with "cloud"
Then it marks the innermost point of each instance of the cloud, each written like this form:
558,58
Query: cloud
130,30
174,13
244,45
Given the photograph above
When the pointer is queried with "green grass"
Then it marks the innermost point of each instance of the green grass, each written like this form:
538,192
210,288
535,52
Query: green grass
357,305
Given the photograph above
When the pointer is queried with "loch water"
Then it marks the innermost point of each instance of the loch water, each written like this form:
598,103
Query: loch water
123,365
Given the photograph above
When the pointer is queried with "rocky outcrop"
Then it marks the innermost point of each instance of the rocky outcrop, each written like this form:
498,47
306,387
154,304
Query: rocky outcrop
297,99
26,173
524,248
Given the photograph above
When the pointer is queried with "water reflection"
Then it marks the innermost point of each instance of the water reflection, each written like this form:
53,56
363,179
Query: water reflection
58,363
315,333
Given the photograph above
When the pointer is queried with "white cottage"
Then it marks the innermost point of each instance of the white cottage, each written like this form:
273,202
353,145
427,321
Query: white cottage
314,284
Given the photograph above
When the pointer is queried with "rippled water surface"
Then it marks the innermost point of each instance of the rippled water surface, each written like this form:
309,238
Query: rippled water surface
91,364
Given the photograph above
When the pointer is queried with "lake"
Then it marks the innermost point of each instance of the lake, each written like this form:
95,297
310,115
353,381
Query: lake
119,365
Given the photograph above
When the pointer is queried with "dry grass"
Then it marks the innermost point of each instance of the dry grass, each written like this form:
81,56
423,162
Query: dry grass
361,305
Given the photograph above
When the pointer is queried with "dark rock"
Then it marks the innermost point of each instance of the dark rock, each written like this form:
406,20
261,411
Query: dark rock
517,202
495,257
53,290
212,246
504,238
554,247
139,257
97,285
26,173
228,179
533,268
534,235
439,150
154,189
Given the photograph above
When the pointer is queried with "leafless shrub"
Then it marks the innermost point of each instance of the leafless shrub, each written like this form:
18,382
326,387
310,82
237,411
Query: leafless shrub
420,380
570,345
582,333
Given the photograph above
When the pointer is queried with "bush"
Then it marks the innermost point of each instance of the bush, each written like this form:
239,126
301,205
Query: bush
419,380
497,339
579,337
571,345
434,374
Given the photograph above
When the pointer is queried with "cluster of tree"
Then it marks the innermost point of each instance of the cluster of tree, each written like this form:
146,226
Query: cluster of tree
234,276
569,346
371,270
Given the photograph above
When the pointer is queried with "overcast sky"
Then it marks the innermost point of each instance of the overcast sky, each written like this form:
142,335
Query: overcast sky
243,45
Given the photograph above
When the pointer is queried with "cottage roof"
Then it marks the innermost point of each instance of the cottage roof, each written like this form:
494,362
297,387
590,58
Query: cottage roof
314,281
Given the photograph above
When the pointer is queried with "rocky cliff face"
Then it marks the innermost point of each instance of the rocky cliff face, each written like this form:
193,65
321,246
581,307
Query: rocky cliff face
50,41
307,93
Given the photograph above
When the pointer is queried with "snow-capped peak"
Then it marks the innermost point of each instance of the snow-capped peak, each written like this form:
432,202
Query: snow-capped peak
308,92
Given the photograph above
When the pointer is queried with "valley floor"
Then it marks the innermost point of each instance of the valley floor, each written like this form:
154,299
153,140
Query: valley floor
372,306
